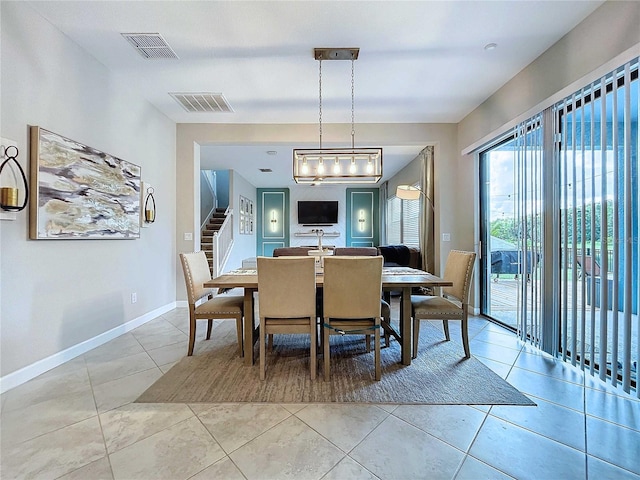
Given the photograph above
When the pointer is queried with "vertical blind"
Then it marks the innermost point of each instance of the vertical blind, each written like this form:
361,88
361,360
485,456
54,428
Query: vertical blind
528,198
597,129
577,211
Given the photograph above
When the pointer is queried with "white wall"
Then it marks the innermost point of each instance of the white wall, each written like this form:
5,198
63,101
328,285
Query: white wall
58,293
244,246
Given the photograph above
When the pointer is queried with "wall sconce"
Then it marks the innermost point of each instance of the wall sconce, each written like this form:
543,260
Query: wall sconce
274,220
9,195
361,220
150,206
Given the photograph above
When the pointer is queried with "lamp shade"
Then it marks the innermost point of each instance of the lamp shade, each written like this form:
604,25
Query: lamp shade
408,192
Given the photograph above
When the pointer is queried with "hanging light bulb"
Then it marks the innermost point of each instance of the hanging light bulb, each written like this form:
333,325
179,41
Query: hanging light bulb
336,166
353,168
369,166
305,167
320,166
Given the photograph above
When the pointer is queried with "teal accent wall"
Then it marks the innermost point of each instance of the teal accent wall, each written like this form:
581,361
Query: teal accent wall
363,217
272,220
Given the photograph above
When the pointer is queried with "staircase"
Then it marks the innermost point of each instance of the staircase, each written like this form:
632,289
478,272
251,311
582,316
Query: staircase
210,239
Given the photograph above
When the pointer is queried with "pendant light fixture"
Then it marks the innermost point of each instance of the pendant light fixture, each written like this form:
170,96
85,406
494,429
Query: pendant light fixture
337,165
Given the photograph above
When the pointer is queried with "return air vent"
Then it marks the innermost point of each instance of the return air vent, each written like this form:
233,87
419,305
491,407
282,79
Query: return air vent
150,45
202,102
266,170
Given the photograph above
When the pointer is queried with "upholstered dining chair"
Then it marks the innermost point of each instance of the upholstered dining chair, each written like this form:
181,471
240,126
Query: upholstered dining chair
352,290
287,301
356,251
291,251
454,302
385,307
215,306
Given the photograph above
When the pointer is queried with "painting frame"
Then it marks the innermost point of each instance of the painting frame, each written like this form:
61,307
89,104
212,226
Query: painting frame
246,216
78,192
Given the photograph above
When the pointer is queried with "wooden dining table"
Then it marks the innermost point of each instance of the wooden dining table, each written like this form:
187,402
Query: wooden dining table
402,279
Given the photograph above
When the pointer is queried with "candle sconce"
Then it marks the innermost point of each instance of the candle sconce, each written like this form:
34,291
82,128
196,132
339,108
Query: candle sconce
9,195
149,206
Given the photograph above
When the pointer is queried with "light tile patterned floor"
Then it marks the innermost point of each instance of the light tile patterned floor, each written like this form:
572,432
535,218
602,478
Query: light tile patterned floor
77,422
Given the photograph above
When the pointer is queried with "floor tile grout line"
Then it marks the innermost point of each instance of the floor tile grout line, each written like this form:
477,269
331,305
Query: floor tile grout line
357,444
226,454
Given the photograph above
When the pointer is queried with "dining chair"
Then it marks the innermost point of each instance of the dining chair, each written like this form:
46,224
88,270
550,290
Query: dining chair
356,251
385,312
352,290
293,252
287,301
454,302
207,303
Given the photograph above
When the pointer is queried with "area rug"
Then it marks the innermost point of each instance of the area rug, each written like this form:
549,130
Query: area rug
439,376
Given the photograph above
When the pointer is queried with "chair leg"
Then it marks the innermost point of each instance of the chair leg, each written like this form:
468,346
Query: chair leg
313,358
416,336
209,325
368,340
445,324
262,349
271,342
377,354
192,334
465,337
239,334
387,336
325,353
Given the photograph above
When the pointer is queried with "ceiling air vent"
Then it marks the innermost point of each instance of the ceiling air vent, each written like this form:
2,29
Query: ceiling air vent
202,102
266,170
150,45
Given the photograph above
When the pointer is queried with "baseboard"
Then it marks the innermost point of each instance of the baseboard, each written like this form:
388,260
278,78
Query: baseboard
29,372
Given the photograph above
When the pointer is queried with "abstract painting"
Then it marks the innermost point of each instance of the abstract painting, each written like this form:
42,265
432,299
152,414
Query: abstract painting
78,192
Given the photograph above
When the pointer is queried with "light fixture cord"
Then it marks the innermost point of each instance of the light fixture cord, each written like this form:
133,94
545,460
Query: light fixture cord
320,88
353,129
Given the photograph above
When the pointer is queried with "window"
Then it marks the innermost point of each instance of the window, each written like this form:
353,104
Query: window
403,221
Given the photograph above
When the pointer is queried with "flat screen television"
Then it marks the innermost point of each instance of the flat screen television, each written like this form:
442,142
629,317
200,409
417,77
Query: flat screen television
317,212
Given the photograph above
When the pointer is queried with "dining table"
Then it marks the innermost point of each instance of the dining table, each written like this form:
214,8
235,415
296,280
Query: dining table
402,279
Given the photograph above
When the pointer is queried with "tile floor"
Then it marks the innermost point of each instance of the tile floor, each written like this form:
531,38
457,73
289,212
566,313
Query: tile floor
77,422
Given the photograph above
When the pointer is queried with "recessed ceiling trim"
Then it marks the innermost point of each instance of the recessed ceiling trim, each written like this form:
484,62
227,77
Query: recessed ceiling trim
150,45
194,102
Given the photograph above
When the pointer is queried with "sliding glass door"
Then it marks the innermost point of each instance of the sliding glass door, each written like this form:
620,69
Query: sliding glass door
560,216
512,243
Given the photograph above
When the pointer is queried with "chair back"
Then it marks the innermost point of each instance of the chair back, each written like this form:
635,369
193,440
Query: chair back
356,251
291,251
352,286
459,270
287,287
196,271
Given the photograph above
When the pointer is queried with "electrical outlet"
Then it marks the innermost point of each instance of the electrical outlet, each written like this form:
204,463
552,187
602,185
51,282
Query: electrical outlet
188,236
446,237
134,297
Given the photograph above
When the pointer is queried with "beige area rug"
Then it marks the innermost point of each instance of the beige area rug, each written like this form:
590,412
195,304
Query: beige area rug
440,374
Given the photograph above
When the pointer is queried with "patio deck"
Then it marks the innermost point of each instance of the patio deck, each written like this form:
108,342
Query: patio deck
504,295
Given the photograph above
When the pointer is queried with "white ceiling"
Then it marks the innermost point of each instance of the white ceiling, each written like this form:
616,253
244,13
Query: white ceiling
420,61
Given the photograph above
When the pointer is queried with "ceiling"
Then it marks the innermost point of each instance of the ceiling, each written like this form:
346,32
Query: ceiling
419,62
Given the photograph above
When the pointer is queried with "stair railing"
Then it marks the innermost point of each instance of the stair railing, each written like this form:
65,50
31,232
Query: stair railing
222,243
